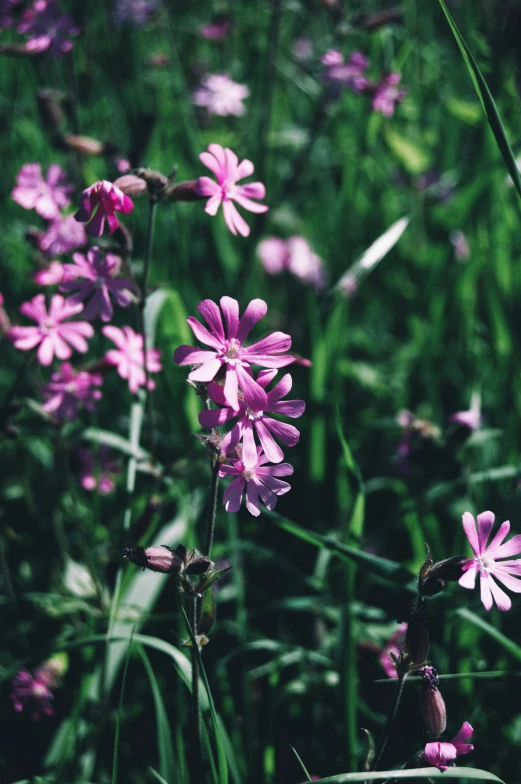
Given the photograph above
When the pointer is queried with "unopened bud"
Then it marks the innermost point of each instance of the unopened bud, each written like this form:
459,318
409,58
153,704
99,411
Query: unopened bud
84,144
432,704
131,185
435,577
157,559
417,641
183,191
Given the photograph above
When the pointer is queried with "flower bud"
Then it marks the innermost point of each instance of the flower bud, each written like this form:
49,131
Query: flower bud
84,144
131,185
435,577
432,704
183,191
417,641
157,559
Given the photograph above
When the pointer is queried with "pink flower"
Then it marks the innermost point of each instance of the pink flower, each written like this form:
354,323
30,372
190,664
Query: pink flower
52,335
274,255
32,693
48,30
134,12
393,645
215,31
228,350
258,479
98,470
470,418
94,277
128,357
68,388
438,753
102,200
387,95
350,74
62,236
221,95
47,196
51,275
460,244
226,167
258,420
302,49
486,560
294,255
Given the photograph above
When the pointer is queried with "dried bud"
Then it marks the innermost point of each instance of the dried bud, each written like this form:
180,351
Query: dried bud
84,144
183,191
417,641
131,185
432,704
435,577
197,565
156,182
157,559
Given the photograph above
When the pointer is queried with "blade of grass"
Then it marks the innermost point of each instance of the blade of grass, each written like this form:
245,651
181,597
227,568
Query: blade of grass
472,774
505,642
114,778
305,770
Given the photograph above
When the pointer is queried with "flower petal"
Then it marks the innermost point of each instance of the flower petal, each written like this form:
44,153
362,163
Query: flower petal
212,315
206,372
188,355
469,526
254,395
501,598
485,524
202,334
230,309
468,579
255,310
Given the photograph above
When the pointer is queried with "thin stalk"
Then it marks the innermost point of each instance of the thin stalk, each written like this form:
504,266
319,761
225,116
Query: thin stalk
197,758
402,676
214,486
273,45
152,204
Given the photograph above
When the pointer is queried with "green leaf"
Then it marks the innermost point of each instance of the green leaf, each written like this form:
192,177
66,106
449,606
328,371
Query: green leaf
420,773
305,770
505,642
164,733
107,438
414,158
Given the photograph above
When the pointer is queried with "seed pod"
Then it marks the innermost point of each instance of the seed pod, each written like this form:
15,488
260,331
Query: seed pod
434,713
417,641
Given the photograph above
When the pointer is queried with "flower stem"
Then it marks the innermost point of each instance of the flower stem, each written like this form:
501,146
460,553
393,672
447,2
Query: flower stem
152,204
402,676
196,772
212,502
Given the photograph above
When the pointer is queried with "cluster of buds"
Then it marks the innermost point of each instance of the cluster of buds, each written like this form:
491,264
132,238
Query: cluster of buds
159,186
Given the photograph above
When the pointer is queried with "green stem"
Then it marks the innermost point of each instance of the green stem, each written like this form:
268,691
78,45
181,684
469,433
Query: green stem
197,758
212,508
152,203
402,676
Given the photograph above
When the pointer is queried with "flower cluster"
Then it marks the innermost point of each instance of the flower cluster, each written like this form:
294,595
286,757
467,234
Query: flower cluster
295,256
220,95
34,692
48,30
241,398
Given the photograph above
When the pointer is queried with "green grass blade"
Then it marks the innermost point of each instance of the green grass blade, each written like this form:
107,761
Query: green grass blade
473,774
157,776
505,642
306,772
114,778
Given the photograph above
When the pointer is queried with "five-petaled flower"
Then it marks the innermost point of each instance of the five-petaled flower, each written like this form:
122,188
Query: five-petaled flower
68,388
61,236
128,357
102,200
258,420
258,479
487,561
439,753
95,277
226,167
47,196
52,335
229,353
220,95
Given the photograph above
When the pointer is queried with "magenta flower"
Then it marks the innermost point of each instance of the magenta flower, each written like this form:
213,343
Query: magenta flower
252,420
47,196
98,470
229,353
102,200
68,388
258,479
128,357
226,167
393,645
486,560
294,255
48,30
215,31
51,275
470,418
350,74
63,235
32,693
220,95
94,277
387,95
439,753
460,244
52,335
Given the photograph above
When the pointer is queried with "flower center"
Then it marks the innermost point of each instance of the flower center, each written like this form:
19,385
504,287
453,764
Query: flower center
47,325
486,564
249,474
232,352
39,690
253,415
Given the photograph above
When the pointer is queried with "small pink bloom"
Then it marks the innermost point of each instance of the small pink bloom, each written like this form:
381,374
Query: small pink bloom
274,255
128,357
302,49
63,235
94,277
68,388
332,57
350,74
48,31
47,196
294,255
32,693
460,244
98,470
220,95
439,753
215,31
488,560
387,95
254,420
228,351
393,645
102,200
122,165
52,335
226,167
470,418
258,479
50,276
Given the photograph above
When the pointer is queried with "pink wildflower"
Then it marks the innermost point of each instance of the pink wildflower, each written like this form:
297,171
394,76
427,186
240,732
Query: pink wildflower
229,353
393,645
47,196
94,277
68,388
52,335
350,74
226,167
258,479
32,693
258,420
63,235
439,753
487,561
387,95
134,12
215,31
102,200
220,95
294,255
302,49
128,357
98,470
274,255
51,275
470,418
460,244
48,31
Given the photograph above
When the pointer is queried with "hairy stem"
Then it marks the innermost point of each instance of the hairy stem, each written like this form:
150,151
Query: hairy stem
402,676
212,508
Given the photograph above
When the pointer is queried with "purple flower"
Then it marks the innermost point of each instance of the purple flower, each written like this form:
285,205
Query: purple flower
229,352
302,49
134,12
48,31
258,420
98,469
128,357
47,196
438,753
350,74
215,31
51,275
32,693
470,418
258,479
94,277
220,95
387,95
294,255
487,561
460,244
102,200
52,335
393,645
226,167
68,388
63,235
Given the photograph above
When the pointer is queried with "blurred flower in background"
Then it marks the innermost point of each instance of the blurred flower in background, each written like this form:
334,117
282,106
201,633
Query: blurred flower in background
62,235
48,31
295,256
128,358
387,95
98,469
69,388
134,12
48,197
217,30
220,95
